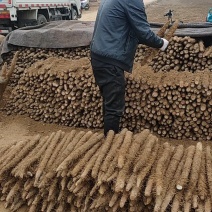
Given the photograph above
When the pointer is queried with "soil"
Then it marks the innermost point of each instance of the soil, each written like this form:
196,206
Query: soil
16,128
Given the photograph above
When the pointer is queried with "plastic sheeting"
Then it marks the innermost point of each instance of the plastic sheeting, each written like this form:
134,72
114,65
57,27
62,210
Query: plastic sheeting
56,34
197,30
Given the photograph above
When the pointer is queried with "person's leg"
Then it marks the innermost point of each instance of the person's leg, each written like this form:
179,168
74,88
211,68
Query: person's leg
114,101
111,82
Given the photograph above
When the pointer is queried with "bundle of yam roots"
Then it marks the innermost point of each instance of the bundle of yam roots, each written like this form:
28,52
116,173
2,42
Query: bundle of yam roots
84,171
182,54
63,91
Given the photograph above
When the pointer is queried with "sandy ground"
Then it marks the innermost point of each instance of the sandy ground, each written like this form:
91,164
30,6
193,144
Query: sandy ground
90,15
16,128
185,11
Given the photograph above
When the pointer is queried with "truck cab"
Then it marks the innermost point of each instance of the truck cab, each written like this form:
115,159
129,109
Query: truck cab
20,13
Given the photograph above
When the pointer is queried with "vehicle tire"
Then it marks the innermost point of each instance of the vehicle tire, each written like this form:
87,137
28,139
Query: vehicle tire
74,15
41,19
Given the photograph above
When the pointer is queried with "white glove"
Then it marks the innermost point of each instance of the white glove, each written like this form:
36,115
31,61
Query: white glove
165,44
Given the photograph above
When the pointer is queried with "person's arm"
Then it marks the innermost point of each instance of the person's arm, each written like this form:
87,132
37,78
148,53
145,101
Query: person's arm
138,20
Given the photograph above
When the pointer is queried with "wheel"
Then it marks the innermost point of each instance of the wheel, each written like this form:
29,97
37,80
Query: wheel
41,19
74,15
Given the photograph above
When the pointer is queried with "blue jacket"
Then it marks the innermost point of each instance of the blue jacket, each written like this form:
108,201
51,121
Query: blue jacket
120,26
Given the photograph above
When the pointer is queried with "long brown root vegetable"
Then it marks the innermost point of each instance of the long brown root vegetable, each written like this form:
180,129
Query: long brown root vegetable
20,169
177,202
52,190
170,172
7,185
208,51
65,150
34,205
103,151
150,141
124,149
160,168
46,157
131,155
11,153
134,192
163,29
84,139
3,73
58,148
115,145
111,169
114,199
17,206
50,206
78,152
123,199
175,160
75,171
172,30
22,153
161,185
187,206
194,175
113,176
195,201
6,74
44,205
14,190
150,52
171,190
208,207
187,168
89,166
131,182
31,193
151,181
73,139
143,172
202,180
5,150
209,169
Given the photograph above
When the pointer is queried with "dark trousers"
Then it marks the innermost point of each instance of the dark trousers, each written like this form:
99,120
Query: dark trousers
111,82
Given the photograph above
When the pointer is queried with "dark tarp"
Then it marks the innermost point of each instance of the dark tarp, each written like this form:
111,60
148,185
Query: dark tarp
197,30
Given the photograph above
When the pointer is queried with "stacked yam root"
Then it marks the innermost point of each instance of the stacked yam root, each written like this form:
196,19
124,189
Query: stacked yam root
184,54
71,97
83,171
171,104
28,56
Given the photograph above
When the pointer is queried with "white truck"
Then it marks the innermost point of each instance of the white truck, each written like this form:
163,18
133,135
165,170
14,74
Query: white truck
19,13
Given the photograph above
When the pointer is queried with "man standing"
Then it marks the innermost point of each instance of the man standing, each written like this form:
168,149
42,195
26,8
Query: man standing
169,15
120,26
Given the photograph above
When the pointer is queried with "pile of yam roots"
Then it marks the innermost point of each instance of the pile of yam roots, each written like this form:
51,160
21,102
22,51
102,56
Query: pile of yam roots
183,54
62,91
83,171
